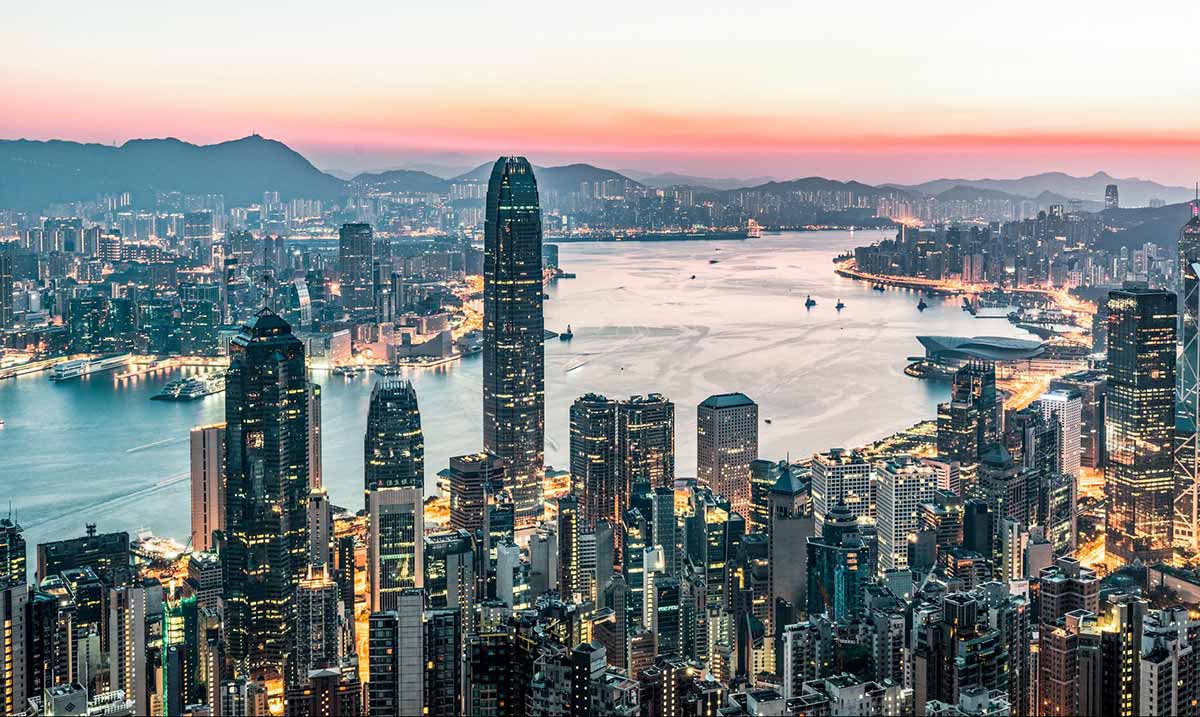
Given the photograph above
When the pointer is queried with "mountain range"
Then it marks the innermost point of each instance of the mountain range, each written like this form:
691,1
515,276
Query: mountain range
34,174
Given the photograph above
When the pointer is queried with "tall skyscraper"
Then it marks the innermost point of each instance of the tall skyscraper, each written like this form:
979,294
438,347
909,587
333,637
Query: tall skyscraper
1112,199
1092,387
318,622
356,247
13,566
646,441
904,485
395,546
1187,449
266,491
394,448
473,478
315,475
1139,476
846,476
514,410
726,444
594,468
6,289
207,483
1066,409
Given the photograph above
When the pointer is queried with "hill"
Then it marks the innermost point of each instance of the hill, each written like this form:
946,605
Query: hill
401,180
39,173
564,179
1133,192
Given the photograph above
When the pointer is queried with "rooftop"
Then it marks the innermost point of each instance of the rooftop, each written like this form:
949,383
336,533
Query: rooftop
727,400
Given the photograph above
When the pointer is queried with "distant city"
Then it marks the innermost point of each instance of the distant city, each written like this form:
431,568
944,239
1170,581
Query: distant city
1029,547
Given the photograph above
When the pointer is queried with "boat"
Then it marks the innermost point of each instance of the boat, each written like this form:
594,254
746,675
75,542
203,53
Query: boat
921,305
712,261
878,287
1,423
389,370
810,302
693,276
545,296
840,305
346,371
566,275
566,335
191,388
83,367
767,420
753,230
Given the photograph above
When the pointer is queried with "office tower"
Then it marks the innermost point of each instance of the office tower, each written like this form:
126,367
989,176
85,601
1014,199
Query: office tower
836,567
726,443
13,569
472,479
971,421
594,469
791,524
1092,389
1168,661
1187,442
904,485
1066,409
442,646
315,472
568,546
198,232
513,363
208,484
327,692
1140,424
106,554
15,663
845,476
395,544
666,617
543,562
714,537
132,609
450,571
318,622
763,476
320,528
1111,197
266,490
664,528
394,447
397,680
1009,489
356,248
179,665
6,289
646,441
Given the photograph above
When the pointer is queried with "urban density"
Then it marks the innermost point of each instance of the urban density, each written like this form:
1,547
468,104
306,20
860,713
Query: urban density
534,438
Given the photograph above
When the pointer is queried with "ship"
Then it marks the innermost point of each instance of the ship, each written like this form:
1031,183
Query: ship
191,388
840,305
566,335
389,370
810,302
753,230
921,305
346,371
712,261
82,367
878,287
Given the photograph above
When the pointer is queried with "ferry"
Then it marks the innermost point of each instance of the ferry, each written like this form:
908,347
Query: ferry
566,335
191,388
712,261
346,371
389,370
83,367
810,302
878,287
753,230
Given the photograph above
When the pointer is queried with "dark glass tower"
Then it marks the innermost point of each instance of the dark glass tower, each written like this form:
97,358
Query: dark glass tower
265,554
594,471
394,451
646,441
356,253
513,334
1139,477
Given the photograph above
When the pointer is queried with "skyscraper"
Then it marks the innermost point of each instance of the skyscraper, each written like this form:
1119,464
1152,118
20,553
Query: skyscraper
472,480
1066,409
1187,450
594,468
726,444
356,248
513,333
13,567
646,441
1139,477
207,483
266,490
315,476
845,476
6,290
395,546
903,486
394,448
1112,199
318,625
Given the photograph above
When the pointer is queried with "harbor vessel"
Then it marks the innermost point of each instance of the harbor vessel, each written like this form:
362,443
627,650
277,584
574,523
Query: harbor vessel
78,368
566,335
810,302
191,388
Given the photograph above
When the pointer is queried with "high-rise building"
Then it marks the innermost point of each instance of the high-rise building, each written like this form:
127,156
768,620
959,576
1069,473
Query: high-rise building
394,447
594,467
726,444
132,610
1092,388
320,528
514,410
356,250
13,569
646,440
450,578
904,485
315,473
107,554
395,546
318,622
6,289
1066,409
1112,198
837,571
266,490
845,476
207,483
972,419
473,478
1140,424
1187,442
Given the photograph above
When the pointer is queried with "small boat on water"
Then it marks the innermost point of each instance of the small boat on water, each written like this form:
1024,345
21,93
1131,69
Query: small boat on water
921,305
192,388
566,335
878,287
346,371
693,276
389,370
840,305
810,302
712,261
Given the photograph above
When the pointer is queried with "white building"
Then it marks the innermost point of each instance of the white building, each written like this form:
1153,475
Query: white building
1066,409
845,475
903,486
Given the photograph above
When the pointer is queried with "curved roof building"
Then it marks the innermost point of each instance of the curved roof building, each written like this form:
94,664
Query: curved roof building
988,348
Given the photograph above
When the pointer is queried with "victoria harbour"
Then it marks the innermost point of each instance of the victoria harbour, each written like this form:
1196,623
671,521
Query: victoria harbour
99,451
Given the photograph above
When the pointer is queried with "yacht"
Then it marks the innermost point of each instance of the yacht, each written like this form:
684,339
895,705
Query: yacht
191,388
82,367
389,370
346,371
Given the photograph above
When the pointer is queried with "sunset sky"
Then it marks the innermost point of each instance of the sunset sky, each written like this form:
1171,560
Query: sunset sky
867,90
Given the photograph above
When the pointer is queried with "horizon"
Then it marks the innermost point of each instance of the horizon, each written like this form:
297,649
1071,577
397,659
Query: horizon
766,91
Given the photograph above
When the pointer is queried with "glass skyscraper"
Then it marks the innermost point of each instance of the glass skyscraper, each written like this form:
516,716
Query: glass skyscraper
513,333
356,247
394,448
266,492
1140,425
1187,444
